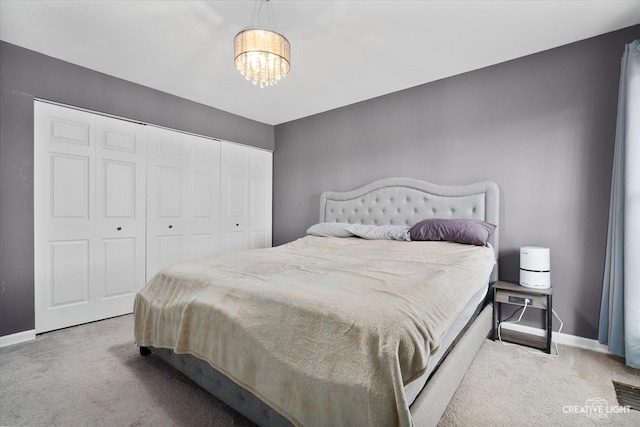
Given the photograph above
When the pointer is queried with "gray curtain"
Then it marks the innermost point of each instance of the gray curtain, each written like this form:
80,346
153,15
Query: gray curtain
620,307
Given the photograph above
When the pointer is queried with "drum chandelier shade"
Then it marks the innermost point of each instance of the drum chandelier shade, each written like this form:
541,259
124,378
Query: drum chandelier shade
262,55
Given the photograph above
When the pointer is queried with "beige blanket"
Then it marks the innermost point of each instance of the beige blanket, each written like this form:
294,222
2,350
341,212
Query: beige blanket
327,331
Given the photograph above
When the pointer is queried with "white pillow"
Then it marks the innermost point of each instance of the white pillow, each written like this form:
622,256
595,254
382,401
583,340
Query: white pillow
380,232
329,229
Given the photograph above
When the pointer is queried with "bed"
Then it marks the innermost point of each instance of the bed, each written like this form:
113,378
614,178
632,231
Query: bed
334,330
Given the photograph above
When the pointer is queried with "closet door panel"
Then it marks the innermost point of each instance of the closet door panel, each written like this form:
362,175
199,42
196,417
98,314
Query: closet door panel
64,212
65,128
183,198
203,222
202,185
170,249
89,204
258,202
166,199
69,186
170,192
119,263
235,187
236,197
236,241
119,190
258,239
114,137
202,245
70,276
204,197
235,204
121,212
246,197
260,198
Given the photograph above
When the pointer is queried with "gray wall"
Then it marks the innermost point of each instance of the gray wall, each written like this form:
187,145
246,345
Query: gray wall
25,74
542,127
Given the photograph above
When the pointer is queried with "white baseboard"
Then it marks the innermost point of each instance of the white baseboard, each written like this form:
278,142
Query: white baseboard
17,338
560,338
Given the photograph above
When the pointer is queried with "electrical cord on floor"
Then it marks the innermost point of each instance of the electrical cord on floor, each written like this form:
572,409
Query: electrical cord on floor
524,309
559,329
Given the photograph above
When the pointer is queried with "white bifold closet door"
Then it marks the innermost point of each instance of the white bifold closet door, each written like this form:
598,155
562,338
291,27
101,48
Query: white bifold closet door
183,198
246,197
89,222
116,201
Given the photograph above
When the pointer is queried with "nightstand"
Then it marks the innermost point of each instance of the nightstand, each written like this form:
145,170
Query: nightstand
516,295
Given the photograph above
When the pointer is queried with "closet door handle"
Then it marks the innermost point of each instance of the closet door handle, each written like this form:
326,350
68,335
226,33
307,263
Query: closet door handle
171,226
237,225
119,228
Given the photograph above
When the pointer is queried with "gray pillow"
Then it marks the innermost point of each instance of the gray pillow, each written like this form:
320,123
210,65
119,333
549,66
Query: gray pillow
380,232
468,231
329,229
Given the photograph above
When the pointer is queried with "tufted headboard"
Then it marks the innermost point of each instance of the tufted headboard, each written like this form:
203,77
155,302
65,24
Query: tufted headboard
407,201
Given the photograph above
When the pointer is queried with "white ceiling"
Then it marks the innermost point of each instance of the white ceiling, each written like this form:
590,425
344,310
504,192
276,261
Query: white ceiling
343,52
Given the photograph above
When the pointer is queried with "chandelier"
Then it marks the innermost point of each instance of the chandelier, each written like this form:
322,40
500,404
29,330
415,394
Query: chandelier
261,54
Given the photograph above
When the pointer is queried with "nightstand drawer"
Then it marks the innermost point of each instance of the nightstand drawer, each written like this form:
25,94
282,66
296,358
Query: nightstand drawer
517,298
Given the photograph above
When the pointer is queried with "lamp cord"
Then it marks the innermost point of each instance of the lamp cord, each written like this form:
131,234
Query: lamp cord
517,321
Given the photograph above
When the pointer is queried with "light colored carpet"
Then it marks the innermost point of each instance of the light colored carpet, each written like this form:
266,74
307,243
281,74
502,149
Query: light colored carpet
93,375
509,385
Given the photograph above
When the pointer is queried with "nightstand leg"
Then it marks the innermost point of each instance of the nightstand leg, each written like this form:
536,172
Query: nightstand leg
497,315
549,323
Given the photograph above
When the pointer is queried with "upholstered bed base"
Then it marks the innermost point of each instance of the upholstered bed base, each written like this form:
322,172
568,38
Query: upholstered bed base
221,387
434,398
388,201
426,410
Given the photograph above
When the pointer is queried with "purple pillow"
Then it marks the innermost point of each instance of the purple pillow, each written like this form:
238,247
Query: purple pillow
469,231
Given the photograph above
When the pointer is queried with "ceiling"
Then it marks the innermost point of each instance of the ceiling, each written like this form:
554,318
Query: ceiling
342,52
